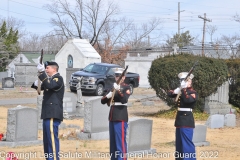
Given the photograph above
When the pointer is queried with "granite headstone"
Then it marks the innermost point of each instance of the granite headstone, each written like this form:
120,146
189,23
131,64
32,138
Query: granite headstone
199,135
230,120
215,121
7,82
96,124
139,135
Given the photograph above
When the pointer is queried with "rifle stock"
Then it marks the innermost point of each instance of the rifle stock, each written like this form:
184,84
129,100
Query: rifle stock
189,73
118,81
39,82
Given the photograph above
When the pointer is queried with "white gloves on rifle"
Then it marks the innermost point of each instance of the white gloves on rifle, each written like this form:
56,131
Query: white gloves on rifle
36,83
116,86
40,67
109,95
176,91
184,84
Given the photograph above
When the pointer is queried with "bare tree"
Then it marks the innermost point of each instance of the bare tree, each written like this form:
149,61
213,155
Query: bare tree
51,42
211,29
86,20
229,45
236,17
137,36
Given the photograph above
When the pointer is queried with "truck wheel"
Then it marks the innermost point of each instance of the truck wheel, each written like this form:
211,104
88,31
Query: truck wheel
99,90
131,88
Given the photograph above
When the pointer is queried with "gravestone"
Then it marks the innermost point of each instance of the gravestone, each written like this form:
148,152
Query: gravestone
215,121
8,83
230,120
96,124
217,103
80,103
22,127
199,135
139,135
69,72
175,47
70,103
25,74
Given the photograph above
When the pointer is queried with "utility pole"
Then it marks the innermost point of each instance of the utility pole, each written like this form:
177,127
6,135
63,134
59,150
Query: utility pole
179,17
204,25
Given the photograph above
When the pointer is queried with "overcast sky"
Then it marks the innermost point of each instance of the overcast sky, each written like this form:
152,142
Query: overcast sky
221,13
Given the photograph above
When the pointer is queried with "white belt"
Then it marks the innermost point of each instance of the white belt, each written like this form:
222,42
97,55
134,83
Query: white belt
119,103
185,109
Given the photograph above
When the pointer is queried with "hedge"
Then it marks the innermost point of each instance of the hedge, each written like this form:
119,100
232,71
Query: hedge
209,74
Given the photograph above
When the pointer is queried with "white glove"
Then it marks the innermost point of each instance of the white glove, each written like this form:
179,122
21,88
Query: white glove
176,91
116,86
183,84
40,67
109,95
36,83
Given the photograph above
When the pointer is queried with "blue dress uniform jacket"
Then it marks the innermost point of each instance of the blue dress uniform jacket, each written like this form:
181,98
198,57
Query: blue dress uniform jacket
52,104
185,118
118,112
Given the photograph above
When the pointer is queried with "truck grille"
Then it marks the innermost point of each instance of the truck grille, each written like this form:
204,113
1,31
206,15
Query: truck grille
84,80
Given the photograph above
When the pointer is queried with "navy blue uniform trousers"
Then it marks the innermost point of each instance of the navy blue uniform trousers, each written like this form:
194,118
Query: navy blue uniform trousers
50,138
118,144
185,148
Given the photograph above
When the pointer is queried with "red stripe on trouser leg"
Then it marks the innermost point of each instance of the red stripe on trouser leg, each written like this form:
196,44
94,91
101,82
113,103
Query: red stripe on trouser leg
123,142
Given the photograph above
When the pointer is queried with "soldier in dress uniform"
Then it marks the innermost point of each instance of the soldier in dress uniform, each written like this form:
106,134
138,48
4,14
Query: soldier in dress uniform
52,107
118,118
184,122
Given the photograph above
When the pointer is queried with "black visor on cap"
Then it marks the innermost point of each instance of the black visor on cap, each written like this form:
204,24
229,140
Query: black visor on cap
117,74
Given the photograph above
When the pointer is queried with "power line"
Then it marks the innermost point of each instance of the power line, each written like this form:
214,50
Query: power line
23,14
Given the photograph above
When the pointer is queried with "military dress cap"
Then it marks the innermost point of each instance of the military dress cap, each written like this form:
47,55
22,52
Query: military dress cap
118,71
183,75
49,63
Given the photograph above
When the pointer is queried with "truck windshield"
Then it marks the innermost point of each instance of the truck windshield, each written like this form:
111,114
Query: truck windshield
93,68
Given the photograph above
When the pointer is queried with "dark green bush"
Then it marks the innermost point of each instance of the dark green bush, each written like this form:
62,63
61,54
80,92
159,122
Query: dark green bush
234,78
209,74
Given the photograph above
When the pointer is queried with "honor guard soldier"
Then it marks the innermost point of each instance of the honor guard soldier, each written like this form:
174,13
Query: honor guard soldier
184,122
118,118
52,107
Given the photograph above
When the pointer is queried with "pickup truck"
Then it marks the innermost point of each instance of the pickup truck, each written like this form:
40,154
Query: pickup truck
99,77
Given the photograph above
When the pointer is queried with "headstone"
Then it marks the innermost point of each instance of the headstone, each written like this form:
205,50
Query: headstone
217,103
230,120
25,74
199,135
22,127
80,104
215,121
139,135
8,83
70,103
22,124
175,47
69,72
96,124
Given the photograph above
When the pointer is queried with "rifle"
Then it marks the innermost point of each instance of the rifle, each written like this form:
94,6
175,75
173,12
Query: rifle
39,82
109,103
189,73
